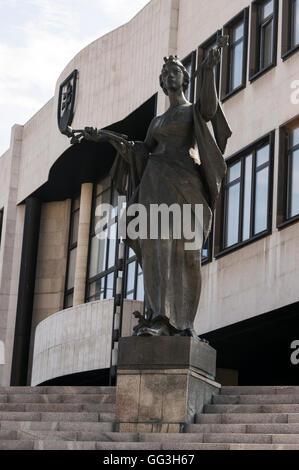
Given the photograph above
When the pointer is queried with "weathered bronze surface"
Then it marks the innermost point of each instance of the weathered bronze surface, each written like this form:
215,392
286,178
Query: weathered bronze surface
179,162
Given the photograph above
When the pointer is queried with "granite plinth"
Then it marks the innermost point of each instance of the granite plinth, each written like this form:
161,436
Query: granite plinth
167,351
163,382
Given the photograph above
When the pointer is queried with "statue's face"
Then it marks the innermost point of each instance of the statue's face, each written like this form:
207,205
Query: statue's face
173,77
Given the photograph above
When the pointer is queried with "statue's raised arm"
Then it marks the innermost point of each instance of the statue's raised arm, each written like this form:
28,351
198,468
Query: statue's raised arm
208,105
208,99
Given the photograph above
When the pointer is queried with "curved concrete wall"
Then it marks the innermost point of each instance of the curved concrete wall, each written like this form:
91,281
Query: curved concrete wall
78,339
74,340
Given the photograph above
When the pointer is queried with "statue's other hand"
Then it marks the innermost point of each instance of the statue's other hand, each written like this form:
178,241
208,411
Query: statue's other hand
213,57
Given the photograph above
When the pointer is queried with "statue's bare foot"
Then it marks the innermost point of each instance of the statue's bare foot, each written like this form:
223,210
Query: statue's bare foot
158,329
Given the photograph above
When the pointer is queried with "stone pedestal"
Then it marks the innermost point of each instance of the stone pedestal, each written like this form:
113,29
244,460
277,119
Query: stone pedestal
163,382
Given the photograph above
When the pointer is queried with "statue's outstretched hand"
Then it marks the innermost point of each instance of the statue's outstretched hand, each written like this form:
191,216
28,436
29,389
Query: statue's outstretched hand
88,133
119,141
91,134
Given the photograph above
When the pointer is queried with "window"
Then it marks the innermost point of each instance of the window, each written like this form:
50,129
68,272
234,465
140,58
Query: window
234,61
103,247
247,194
203,51
293,173
263,43
189,63
1,223
72,253
134,289
103,265
290,28
207,249
288,180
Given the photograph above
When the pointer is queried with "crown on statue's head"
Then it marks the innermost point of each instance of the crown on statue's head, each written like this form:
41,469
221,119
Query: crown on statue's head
171,58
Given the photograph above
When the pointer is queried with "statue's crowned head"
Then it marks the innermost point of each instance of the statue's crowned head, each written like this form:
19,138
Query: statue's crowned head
173,59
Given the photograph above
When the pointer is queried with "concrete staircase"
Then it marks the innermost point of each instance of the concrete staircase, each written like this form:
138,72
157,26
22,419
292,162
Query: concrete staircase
250,418
83,418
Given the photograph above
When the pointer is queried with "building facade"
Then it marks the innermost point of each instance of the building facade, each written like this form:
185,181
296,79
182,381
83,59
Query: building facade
65,295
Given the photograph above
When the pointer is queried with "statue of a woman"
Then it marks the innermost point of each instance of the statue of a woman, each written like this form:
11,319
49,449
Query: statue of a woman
178,163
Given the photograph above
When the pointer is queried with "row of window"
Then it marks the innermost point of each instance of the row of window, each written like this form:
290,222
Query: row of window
263,46
246,197
244,210
103,269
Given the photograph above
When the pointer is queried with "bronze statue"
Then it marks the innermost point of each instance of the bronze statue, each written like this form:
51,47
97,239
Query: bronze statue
179,162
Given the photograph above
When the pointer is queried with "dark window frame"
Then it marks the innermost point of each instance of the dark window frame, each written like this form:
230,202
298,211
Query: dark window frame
283,186
129,260
108,270
210,242
201,56
219,244
226,91
255,70
1,223
191,59
71,246
287,49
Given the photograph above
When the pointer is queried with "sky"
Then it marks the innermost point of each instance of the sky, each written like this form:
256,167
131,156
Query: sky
37,40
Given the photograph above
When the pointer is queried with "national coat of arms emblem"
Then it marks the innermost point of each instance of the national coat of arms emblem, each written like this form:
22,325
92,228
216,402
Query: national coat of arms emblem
66,102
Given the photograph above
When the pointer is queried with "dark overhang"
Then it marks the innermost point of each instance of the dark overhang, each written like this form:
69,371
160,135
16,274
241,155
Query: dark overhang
87,162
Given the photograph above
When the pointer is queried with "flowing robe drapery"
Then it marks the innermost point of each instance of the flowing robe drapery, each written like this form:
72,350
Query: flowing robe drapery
172,275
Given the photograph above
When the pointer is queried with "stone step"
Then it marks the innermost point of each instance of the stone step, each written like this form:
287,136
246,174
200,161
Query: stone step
251,438
263,447
46,445
256,399
59,390
172,438
57,426
16,445
247,418
85,445
259,390
70,436
272,428
71,398
8,435
49,416
57,407
223,438
222,446
262,408
194,446
77,445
